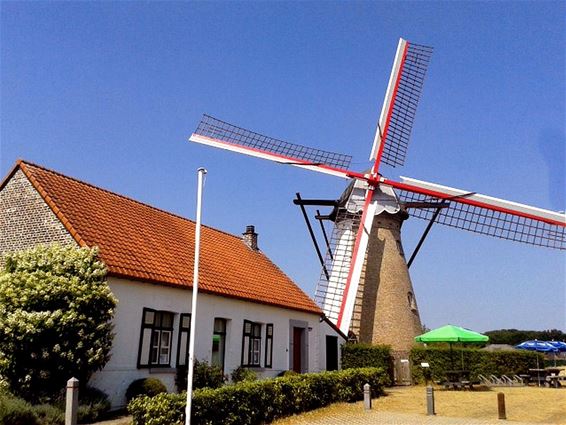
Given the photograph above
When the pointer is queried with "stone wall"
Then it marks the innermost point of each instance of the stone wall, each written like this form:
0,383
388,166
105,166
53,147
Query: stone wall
25,219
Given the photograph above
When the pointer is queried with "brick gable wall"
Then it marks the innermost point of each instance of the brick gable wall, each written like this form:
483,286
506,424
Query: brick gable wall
25,219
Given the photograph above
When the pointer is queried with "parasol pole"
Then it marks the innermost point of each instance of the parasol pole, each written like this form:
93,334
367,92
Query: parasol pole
451,356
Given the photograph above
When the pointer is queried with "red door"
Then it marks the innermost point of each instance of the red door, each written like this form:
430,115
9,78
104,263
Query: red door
297,349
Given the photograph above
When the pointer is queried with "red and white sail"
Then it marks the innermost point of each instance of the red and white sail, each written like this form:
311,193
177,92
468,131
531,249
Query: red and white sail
485,214
400,104
220,134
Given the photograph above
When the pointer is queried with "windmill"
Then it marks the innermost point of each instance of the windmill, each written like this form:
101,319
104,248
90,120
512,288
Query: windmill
365,287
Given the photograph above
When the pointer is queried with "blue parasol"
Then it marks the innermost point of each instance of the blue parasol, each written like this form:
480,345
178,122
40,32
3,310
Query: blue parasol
559,345
536,345
540,346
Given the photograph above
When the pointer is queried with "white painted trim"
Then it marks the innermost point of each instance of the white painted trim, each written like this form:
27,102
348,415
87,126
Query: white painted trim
387,102
489,200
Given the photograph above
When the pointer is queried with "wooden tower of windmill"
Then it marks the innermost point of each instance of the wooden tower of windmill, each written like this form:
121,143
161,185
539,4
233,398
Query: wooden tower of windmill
365,287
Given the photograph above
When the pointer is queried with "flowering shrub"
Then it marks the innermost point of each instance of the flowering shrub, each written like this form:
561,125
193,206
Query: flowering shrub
55,319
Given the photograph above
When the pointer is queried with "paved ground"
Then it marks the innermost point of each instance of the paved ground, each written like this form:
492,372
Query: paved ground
126,420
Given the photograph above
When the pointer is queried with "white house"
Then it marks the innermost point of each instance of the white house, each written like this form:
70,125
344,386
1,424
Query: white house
249,312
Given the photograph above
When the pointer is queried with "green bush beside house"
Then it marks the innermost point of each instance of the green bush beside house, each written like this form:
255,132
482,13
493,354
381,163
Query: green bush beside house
368,355
145,386
262,401
204,376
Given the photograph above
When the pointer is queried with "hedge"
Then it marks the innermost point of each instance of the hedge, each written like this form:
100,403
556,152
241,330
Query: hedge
16,411
93,405
367,355
478,362
261,401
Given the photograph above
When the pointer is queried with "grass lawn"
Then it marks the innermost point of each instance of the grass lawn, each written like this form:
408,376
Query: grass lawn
524,404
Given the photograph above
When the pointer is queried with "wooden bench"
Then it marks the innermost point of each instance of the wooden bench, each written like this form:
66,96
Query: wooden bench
554,381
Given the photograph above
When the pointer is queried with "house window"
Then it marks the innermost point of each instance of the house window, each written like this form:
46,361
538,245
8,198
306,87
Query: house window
155,339
183,344
251,344
219,343
268,344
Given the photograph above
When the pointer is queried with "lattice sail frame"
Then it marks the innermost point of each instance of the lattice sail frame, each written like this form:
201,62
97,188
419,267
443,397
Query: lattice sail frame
489,222
400,104
216,129
486,215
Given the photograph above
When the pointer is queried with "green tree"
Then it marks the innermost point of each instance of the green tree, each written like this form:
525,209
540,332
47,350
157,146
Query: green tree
516,336
55,319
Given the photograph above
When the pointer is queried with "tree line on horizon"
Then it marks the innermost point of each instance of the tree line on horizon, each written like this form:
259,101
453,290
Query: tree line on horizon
516,336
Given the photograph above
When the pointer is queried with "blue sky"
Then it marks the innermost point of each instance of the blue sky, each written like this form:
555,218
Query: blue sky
109,92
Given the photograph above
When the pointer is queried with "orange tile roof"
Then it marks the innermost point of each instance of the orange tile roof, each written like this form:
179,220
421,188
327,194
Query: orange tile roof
144,243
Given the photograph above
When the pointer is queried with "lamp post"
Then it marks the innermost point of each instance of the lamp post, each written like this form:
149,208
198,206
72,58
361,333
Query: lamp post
200,183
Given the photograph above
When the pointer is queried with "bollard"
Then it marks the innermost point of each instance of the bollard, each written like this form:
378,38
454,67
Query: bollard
72,401
367,397
501,406
430,401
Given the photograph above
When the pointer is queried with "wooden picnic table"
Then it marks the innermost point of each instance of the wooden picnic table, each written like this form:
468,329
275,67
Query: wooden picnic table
457,379
545,377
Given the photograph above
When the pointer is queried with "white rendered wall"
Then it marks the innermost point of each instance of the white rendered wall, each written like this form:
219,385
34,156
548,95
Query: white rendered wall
133,296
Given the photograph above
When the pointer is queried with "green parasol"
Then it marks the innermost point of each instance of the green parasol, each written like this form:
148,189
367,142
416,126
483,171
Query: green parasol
451,334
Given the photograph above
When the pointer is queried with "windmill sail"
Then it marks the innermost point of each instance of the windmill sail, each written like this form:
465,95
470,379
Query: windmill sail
330,289
214,132
400,104
485,214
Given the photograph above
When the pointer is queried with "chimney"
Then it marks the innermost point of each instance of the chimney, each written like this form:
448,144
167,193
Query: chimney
250,237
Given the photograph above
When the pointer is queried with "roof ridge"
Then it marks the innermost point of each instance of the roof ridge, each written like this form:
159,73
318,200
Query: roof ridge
19,162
